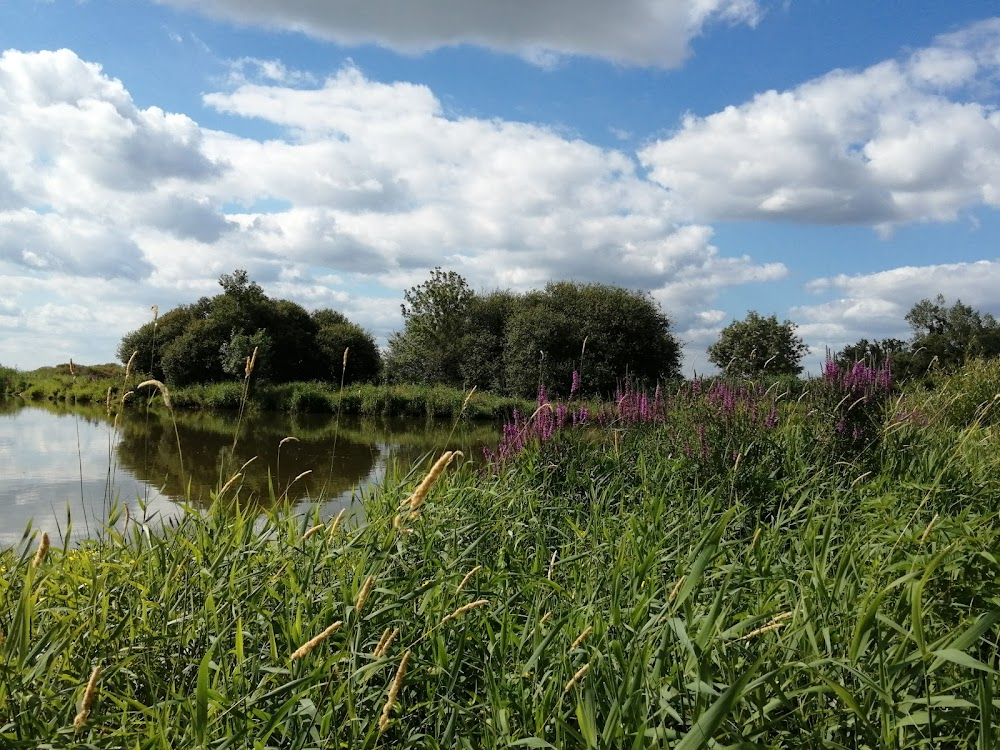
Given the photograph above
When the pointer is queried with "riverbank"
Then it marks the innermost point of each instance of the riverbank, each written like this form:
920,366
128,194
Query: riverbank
724,569
92,385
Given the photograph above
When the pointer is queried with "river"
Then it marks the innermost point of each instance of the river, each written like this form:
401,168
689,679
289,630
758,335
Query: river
62,466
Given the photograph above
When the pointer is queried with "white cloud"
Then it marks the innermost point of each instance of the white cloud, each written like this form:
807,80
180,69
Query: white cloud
897,142
641,32
874,306
369,186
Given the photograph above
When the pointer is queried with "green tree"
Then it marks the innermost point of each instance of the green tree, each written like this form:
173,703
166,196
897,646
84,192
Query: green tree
950,335
335,333
873,353
431,348
626,335
758,345
210,340
484,340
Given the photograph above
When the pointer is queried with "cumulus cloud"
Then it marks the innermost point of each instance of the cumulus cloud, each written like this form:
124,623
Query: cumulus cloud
368,186
384,183
874,306
901,141
640,32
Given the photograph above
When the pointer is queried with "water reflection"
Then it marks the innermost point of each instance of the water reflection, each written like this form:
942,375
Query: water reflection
59,462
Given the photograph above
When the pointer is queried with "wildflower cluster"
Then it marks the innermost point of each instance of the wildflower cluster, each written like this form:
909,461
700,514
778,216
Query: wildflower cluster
853,398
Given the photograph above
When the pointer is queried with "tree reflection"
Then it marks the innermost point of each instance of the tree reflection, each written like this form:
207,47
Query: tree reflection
305,468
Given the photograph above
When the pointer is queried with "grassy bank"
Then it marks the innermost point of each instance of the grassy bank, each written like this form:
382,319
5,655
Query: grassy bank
709,569
92,385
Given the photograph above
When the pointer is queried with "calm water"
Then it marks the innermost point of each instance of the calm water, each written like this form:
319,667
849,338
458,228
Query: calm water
66,462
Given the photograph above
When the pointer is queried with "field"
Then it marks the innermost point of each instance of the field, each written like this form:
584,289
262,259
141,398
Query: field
717,565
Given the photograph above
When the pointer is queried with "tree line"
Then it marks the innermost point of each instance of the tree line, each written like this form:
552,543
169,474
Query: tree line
565,335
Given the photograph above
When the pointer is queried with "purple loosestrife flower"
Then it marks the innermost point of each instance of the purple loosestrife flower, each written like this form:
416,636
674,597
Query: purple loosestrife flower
772,418
575,385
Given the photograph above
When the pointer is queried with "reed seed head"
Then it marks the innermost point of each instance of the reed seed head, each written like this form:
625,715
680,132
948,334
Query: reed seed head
928,530
468,398
344,365
390,702
313,530
230,483
43,548
576,677
366,588
676,588
465,608
313,642
468,577
288,439
89,695
386,642
580,638
128,367
336,521
775,623
415,500
251,361
160,387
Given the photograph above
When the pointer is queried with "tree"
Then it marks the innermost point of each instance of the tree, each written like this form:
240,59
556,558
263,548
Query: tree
430,348
758,345
626,335
950,335
874,354
335,333
210,340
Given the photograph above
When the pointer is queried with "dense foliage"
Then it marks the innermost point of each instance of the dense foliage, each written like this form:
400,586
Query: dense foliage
679,569
210,340
756,345
509,343
945,337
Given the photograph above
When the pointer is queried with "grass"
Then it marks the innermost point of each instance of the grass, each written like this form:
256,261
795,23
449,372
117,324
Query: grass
90,386
622,587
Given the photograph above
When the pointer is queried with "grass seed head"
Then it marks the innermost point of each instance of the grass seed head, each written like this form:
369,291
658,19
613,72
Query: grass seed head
363,594
89,695
313,642
465,608
43,548
313,530
390,701
160,387
576,677
580,638
468,577
928,530
386,642
676,588
336,521
420,493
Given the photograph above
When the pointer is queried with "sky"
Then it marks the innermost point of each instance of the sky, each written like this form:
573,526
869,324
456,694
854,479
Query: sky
831,162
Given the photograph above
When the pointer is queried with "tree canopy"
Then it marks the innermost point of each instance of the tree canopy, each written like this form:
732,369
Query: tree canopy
209,340
758,345
944,336
509,343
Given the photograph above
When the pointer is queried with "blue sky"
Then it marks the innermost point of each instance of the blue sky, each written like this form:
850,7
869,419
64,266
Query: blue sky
829,162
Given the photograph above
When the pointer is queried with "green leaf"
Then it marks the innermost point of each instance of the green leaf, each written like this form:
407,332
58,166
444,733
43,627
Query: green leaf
708,723
201,699
532,742
963,659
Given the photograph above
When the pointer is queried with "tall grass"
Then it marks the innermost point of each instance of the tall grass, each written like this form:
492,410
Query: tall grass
597,589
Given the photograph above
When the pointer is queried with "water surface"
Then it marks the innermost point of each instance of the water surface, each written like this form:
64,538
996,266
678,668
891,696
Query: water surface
62,466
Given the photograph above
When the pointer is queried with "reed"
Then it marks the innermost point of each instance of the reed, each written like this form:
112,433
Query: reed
758,594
